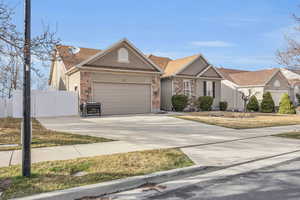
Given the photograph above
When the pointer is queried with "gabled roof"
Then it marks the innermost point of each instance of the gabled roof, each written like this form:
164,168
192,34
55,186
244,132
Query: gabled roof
177,65
123,41
162,62
226,72
252,78
69,59
86,55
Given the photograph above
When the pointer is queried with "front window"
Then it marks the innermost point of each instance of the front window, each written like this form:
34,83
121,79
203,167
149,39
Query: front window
209,88
187,88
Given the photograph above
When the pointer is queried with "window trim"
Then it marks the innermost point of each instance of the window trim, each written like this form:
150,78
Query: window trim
187,91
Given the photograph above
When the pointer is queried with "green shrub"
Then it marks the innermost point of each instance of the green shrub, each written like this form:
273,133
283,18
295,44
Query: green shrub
286,105
253,104
205,103
267,105
223,105
179,102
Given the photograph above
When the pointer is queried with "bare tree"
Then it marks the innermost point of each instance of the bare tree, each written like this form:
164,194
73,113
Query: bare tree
11,52
245,97
290,56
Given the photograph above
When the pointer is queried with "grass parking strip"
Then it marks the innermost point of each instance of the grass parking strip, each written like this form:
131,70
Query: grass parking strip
291,135
58,175
241,120
41,137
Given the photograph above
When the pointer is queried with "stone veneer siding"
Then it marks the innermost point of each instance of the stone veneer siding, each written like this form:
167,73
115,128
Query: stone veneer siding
86,89
156,93
178,89
196,85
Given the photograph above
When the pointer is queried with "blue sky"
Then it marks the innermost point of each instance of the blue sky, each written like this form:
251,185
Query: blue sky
242,34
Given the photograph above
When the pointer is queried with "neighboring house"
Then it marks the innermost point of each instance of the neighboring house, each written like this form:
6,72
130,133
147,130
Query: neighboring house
122,78
192,76
258,82
293,75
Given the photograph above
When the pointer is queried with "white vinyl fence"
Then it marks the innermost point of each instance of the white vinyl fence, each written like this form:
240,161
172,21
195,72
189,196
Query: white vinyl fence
5,107
43,104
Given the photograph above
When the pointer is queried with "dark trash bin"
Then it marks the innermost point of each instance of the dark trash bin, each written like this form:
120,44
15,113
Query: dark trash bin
90,109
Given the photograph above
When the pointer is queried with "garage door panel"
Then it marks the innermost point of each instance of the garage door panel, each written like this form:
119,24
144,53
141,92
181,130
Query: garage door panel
117,98
276,95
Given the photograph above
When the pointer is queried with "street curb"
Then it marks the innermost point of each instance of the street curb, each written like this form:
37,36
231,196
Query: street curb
115,185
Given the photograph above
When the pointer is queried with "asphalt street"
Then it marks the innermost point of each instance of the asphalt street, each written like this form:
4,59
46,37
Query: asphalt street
279,182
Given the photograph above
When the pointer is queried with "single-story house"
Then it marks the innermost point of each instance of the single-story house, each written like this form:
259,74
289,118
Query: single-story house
257,82
293,76
121,77
126,81
192,76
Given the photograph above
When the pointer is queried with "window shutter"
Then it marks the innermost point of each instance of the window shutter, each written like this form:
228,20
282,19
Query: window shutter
214,89
204,88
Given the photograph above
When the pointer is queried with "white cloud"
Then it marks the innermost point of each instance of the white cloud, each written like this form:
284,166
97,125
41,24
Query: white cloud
213,43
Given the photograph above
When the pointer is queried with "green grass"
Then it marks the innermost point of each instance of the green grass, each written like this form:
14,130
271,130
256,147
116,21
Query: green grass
57,175
41,137
292,135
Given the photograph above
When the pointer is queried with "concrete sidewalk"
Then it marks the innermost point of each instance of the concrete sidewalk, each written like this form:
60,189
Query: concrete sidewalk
8,158
219,154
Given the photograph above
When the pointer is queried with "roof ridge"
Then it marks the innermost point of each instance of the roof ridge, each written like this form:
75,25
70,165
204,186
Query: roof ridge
186,57
257,71
63,45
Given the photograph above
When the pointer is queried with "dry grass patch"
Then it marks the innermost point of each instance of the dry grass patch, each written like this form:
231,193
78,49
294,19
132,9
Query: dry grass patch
58,175
42,137
242,120
292,135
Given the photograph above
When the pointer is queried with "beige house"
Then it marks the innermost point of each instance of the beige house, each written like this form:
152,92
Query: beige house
192,76
121,77
293,76
237,82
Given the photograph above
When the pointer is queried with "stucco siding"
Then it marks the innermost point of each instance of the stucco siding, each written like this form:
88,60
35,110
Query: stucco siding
217,98
230,94
58,79
73,81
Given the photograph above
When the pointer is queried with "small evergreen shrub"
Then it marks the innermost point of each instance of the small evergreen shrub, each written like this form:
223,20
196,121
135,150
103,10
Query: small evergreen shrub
179,102
223,105
286,105
205,103
267,105
253,105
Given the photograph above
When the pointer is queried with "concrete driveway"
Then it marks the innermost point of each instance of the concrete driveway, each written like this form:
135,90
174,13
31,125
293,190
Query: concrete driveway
156,130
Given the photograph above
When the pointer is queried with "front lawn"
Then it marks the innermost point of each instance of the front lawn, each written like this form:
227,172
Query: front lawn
242,120
58,175
292,135
42,137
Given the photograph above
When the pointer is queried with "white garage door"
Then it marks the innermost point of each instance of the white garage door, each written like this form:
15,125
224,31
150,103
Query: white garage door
276,95
119,98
